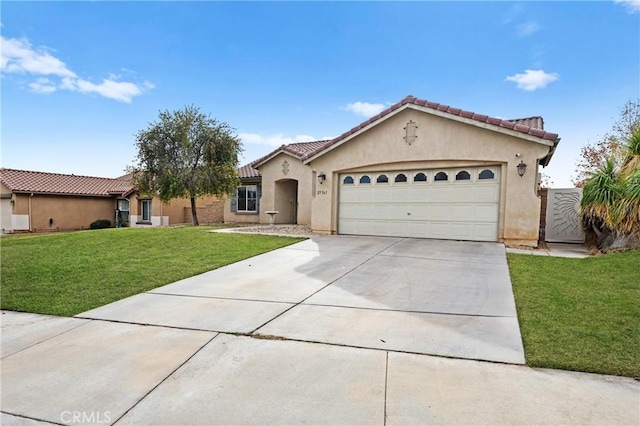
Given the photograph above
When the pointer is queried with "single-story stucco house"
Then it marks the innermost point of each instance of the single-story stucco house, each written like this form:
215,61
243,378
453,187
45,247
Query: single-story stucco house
417,169
39,202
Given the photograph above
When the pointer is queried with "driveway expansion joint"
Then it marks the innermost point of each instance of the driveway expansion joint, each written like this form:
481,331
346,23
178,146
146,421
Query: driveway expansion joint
325,286
165,379
35,419
408,311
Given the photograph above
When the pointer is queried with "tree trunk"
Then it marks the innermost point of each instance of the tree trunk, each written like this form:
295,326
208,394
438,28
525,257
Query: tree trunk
194,213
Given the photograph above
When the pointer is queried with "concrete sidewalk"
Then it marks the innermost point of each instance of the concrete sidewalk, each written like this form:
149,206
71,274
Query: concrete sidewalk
576,251
99,372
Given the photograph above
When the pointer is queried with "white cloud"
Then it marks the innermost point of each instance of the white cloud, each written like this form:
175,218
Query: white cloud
19,57
42,85
274,140
364,109
528,28
119,90
632,6
533,79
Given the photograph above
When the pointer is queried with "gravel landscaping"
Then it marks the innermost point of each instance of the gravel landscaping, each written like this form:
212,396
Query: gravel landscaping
286,230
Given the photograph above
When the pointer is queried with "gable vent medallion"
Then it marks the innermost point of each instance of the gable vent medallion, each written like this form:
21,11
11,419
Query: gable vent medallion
410,132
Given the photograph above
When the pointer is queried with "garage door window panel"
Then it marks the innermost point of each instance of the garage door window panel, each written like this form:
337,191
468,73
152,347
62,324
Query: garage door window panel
441,177
365,179
420,177
486,174
348,180
382,179
401,178
463,175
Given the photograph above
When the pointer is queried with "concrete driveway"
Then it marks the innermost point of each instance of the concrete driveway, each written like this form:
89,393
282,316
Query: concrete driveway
236,346
436,297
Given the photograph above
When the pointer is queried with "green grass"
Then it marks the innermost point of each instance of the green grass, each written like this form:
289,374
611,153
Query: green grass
68,273
580,314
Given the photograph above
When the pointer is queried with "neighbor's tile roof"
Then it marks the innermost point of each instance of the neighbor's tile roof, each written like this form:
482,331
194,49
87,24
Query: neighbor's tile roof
530,126
54,183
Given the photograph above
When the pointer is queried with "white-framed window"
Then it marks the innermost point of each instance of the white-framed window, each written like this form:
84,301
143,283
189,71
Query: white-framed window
145,210
123,207
248,198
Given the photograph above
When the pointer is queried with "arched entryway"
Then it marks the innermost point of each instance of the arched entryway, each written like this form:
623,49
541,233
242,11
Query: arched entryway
286,201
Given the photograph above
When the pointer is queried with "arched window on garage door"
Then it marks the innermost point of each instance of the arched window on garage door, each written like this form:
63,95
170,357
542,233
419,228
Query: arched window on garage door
401,177
486,174
420,177
365,179
382,179
348,180
441,177
463,175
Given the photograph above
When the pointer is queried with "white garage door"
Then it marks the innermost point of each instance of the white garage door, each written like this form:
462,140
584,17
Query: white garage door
456,204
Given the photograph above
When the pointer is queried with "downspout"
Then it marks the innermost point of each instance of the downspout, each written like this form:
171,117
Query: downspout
30,228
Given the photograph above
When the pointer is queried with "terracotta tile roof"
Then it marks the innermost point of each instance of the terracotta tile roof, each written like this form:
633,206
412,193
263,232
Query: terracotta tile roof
530,126
53,183
533,122
300,150
247,171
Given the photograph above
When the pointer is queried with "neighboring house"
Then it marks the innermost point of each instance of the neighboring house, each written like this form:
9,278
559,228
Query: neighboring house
38,201
417,169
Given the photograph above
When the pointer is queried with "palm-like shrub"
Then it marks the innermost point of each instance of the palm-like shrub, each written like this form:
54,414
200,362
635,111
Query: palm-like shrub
611,196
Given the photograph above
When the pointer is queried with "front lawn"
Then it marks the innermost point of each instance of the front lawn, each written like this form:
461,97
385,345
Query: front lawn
580,314
69,273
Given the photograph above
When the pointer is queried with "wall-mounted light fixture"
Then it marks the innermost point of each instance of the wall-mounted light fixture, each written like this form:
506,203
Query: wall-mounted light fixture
321,177
522,167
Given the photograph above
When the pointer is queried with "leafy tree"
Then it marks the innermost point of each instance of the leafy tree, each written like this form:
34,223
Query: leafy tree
187,154
594,155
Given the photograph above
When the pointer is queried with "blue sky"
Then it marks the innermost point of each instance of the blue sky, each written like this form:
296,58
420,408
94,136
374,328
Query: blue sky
79,79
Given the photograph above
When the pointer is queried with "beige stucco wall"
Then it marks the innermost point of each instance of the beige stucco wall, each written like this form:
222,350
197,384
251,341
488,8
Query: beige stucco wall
277,187
67,212
278,193
169,213
441,142
77,212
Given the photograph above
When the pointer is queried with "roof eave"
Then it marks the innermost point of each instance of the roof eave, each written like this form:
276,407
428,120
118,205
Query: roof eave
544,161
272,156
437,113
67,194
355,134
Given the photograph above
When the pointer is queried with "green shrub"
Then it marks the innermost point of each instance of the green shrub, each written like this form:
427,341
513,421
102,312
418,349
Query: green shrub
100,223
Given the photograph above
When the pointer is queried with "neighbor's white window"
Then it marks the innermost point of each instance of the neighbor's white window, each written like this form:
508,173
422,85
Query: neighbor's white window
145,208
247,198
123,206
